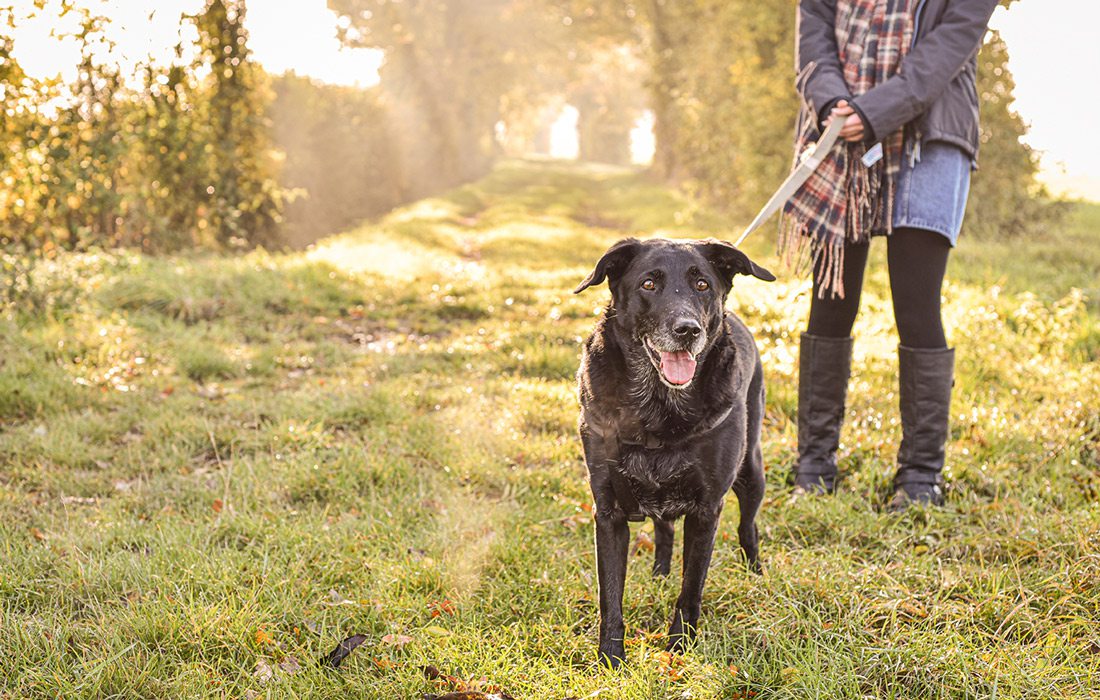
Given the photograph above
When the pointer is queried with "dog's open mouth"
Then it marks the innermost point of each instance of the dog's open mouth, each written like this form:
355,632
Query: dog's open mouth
676,368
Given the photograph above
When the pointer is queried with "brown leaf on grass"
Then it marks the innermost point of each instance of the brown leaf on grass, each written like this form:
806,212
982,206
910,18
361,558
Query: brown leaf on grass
263,638
218,505
669,664
38,534
397,640
265,672
642,543
441,607
459,689
342,650
289,666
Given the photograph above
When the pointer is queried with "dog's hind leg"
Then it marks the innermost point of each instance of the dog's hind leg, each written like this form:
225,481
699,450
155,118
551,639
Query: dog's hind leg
662,536
749,485
749,489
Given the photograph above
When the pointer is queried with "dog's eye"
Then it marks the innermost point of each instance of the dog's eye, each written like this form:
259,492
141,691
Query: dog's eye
702,285
649,285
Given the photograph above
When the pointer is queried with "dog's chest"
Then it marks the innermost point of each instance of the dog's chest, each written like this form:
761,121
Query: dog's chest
666,483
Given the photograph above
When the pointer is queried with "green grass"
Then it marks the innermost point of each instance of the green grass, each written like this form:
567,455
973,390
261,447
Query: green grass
213,465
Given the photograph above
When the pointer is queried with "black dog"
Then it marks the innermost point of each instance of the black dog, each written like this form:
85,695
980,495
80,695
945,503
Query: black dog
672,397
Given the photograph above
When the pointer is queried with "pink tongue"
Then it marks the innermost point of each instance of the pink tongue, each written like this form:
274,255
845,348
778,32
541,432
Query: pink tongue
677,367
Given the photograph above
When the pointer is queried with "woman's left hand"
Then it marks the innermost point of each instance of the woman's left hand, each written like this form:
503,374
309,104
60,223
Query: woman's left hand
853,124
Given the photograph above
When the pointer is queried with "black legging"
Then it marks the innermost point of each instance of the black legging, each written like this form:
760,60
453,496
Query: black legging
917,260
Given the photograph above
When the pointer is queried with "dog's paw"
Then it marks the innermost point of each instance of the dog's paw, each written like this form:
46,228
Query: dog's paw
678,644
681,633
612,657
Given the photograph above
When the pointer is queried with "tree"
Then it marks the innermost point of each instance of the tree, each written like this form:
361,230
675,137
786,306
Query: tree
1005,198
244,199
448,63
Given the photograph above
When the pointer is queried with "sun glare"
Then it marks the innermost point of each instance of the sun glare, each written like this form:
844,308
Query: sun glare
564,141
284,36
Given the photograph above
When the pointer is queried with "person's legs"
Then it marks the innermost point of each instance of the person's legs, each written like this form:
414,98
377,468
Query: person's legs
918,260
824,365
832,317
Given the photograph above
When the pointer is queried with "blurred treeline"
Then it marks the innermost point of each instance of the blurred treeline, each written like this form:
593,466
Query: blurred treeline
211,152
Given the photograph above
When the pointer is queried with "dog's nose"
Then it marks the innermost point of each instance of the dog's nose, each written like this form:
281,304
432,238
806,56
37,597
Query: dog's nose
687,328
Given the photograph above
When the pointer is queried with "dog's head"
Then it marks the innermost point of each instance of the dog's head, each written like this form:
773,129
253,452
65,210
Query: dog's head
668,298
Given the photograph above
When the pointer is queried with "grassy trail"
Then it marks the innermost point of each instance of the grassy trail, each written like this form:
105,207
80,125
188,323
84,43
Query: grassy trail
213,469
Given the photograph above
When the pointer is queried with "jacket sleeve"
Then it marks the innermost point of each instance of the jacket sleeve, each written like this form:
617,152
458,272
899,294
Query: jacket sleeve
824,85
927,70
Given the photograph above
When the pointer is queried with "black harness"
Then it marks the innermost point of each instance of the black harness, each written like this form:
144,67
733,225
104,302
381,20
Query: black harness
613,442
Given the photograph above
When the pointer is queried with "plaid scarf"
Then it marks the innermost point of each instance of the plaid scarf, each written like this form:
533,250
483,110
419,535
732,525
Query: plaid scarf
845,201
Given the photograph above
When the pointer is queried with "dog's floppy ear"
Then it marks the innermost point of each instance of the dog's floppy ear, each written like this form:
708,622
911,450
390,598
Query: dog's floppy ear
730,261
612,264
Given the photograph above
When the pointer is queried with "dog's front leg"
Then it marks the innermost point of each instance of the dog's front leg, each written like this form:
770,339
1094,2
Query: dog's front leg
612,544
700,529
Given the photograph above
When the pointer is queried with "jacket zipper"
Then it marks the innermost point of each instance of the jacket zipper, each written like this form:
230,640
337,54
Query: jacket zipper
914,155
916,21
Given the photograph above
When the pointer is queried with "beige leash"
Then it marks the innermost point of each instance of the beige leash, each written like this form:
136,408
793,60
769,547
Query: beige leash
809,162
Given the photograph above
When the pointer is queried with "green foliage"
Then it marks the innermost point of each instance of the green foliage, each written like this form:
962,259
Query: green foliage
183,159
1005,199
734,101
244,199
448,66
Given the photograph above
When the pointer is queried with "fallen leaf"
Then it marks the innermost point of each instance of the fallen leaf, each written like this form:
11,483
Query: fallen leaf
441,607
218,505
397,640
264,672
38,534
348,645
437,631
289,666
335,598
642,543
263,638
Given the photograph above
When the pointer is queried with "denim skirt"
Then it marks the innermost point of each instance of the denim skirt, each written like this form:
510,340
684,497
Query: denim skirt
932,188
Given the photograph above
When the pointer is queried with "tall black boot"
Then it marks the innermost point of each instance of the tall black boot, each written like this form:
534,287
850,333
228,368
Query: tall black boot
925,381
824,365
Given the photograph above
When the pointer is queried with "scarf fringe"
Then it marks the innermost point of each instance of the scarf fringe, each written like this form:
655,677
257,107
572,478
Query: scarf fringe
801,250
846,202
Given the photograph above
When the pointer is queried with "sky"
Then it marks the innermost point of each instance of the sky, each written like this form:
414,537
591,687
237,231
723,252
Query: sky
1055,59
1054,56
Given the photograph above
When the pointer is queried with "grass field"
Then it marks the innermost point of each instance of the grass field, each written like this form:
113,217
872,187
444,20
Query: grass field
213,469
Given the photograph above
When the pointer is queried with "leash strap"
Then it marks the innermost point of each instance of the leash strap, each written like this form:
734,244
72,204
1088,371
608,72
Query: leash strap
811,160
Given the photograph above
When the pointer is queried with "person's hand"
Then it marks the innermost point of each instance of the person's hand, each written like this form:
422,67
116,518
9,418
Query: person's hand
853,125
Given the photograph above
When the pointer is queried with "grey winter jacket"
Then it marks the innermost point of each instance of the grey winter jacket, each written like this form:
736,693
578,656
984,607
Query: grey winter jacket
935,85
